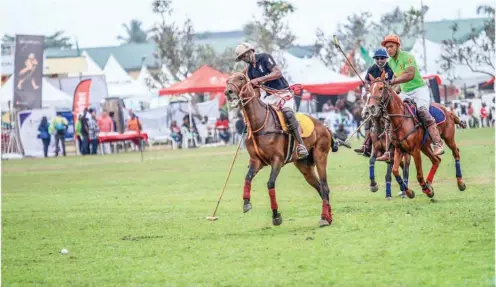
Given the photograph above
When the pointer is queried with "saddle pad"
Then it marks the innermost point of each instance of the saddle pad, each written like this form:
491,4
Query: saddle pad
306,124
435,112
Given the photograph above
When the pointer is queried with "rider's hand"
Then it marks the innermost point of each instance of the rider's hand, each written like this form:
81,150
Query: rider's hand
255,81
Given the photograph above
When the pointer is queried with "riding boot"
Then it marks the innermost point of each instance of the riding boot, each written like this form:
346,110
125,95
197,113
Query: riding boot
386,156
366,147
293,126
430,124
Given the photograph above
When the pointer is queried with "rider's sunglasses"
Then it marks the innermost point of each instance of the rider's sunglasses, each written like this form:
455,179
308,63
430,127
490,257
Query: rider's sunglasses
380,58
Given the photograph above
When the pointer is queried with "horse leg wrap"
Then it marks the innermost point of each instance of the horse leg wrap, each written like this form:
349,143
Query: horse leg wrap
325,209
458,168
246,190
273,201
432,172
372,172
401,183
388,189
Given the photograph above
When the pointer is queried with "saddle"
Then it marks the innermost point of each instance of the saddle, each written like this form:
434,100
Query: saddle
306,124
436,112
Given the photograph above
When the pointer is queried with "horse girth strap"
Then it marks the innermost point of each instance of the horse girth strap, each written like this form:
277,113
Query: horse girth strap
251,133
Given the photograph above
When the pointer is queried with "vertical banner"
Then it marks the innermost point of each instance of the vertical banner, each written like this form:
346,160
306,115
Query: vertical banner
81,99
28,71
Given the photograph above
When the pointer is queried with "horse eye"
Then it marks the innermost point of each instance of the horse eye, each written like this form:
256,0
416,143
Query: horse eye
381,88
240,78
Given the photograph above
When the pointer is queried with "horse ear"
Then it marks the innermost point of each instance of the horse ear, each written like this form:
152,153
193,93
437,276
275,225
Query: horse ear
383,75
371,78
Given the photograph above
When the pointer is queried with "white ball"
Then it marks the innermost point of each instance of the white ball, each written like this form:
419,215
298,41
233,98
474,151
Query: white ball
64,251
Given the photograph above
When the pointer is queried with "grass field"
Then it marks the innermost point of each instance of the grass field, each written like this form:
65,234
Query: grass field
132,223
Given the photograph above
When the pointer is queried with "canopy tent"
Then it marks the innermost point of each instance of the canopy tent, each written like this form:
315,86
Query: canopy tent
92,69
120,84
316,78
146,79
462,74
204,80
51,97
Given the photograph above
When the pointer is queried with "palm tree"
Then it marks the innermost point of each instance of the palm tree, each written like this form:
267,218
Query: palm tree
135,34
56,40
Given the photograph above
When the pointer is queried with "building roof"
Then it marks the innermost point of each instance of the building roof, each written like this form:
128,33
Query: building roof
130,56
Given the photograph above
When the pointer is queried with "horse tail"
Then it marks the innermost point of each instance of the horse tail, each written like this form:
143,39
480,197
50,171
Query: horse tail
334,145
457,120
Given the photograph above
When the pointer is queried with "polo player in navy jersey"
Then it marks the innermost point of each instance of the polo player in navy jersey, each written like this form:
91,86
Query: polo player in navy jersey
262,69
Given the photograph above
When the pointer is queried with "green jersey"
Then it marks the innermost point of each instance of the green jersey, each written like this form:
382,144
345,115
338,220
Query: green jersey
399,66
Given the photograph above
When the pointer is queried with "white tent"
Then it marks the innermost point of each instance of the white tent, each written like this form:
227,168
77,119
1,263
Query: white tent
463,75
311,71
120,84
51,97
146,79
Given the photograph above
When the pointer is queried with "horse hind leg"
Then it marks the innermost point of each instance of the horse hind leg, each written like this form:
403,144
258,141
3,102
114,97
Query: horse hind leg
320,158
309,175
435,160
253,168
396,166
271,185
456,154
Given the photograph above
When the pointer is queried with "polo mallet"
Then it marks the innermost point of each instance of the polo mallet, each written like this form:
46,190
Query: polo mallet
213,217
350,136
336,44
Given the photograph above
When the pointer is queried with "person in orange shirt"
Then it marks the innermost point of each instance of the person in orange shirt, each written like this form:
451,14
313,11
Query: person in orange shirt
134,124
105,125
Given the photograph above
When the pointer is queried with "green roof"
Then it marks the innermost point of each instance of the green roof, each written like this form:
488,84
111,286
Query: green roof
130,55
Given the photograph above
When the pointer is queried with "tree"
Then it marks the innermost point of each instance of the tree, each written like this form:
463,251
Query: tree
476,52
351,35
271,33
135,33
408,24
55,40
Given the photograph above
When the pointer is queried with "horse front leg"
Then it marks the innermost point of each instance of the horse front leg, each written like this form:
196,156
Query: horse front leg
373,184
253,168
388,181
271,185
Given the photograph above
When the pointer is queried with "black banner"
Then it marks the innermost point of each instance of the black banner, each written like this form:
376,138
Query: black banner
28,71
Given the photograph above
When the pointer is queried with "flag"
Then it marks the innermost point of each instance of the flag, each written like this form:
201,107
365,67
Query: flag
81,99
366,57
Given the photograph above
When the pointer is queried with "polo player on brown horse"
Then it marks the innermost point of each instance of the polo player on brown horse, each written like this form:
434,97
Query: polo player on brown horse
268,142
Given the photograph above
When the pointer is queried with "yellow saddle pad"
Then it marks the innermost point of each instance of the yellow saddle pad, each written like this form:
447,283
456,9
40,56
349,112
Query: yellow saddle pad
306,124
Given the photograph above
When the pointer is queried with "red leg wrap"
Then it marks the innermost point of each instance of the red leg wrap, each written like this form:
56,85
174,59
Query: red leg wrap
247,189
326,210
273,202
432,172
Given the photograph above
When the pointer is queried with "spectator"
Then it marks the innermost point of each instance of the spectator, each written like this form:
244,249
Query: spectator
44,134
114,128
222,125
85,130
105,125
239,125
79,136
93,131
59,127
327,107
176,134
341,133
134,124
484,114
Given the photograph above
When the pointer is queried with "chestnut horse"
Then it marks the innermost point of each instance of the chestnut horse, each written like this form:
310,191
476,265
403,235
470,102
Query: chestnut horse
267,145
409,137
380,146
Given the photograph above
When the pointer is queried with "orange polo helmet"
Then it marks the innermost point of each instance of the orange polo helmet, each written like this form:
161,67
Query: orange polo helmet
392,39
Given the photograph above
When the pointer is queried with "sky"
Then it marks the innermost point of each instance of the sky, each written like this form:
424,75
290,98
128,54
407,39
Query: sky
96,23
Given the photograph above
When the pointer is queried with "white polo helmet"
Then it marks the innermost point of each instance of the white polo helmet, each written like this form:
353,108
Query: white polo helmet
241,49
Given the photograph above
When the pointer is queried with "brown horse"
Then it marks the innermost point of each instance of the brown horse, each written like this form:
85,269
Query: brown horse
409,137
268,145
380,146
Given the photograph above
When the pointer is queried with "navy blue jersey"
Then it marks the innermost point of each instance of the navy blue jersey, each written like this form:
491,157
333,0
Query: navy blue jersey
376,72
263,67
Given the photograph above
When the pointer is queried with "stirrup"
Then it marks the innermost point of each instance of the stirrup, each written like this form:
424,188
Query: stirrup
301,151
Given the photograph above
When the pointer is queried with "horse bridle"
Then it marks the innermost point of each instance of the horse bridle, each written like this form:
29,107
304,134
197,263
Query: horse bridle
244,101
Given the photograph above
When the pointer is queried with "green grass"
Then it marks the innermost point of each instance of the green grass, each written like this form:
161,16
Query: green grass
132,223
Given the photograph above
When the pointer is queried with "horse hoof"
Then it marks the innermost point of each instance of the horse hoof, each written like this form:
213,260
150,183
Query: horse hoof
410,193
462,186
374,188
389,198
246,207
324,223
428,190
277,220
